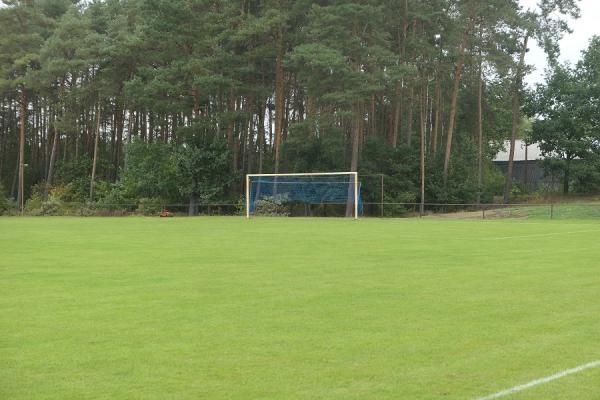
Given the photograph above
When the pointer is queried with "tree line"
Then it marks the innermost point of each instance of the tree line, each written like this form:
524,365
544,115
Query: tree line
175,100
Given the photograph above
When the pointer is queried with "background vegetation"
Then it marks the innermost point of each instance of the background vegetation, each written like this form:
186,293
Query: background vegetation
139,103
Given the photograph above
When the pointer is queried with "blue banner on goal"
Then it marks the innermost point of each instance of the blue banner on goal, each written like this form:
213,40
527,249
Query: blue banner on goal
304,189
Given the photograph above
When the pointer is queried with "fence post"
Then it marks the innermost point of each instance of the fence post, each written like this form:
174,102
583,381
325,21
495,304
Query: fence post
381,195
483,212
551,210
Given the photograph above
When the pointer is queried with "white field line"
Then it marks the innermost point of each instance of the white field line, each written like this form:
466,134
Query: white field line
539,235
540,381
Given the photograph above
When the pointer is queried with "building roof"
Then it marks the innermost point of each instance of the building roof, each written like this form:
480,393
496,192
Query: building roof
533,152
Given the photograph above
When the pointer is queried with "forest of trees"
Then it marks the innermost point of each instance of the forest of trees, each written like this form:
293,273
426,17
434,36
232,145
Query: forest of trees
173,101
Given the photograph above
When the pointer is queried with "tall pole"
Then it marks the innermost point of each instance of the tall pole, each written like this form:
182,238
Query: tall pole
355,195
480,124
422,151
247,196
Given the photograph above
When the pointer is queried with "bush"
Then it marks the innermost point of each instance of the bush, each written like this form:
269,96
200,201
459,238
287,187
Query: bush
271,207
52,207
60,201
111,198
7,205
517,190
151,206
240,206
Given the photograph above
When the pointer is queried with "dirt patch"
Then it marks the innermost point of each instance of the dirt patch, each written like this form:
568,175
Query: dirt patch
489,214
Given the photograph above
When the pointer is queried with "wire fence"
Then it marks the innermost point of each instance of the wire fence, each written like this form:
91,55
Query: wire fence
127,209
565,210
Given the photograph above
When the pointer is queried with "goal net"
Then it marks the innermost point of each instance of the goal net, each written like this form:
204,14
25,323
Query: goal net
280,194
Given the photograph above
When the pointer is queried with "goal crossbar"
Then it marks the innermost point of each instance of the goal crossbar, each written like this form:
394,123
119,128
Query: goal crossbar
306,174
355,185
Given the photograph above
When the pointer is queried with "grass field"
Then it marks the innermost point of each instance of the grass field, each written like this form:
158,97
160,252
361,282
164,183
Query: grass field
224,308
559,211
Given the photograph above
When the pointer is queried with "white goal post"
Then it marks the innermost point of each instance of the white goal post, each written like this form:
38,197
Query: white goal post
353,185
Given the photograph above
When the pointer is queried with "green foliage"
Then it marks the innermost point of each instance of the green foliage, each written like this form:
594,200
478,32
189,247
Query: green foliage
111,197
7,206
272,207
587,175
149,206
400,167
149,172
566,128
61,201
494,183
194,85
76,173
203,167
310,151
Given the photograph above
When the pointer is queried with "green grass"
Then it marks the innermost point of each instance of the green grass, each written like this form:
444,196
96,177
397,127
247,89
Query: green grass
224,308
560,211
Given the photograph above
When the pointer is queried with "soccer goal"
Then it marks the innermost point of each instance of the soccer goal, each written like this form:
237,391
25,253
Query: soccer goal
287,190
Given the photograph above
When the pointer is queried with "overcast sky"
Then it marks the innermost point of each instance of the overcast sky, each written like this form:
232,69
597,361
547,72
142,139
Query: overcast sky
571,45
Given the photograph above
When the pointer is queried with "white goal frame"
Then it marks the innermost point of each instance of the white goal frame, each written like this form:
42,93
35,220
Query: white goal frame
355,174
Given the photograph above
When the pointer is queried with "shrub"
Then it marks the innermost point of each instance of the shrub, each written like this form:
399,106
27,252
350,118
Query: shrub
60,201
7,205
271,207
151,206
62,193
240,206
111,198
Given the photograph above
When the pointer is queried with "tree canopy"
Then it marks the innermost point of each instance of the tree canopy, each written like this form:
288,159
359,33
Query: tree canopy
179,99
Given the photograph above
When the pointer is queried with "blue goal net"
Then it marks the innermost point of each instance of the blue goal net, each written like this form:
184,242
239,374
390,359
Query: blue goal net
287,192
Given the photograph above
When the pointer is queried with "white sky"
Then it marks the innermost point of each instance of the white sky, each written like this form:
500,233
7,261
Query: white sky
571,45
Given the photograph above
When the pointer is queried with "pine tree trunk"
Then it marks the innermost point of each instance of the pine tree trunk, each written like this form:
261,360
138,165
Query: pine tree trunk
14,186
452,117
373,117
526,167
261,136
438,115
279,98
423,127
119,125
193,206
23,111
409,119
196,103
515,120
52,162
567,176
230,127
355,133
396,112
454,96
95,159
251,145
236,136
2,135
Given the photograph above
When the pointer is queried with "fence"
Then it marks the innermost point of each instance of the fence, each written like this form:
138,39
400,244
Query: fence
60,208
566,210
